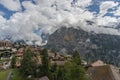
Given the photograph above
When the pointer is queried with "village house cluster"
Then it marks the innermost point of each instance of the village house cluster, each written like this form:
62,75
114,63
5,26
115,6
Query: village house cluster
98,70
8,50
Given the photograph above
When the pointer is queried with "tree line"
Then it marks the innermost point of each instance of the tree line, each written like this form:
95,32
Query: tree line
71,70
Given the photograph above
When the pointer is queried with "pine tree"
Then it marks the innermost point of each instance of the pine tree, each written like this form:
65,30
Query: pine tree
45,63
13,62
76,58
28,63
72,71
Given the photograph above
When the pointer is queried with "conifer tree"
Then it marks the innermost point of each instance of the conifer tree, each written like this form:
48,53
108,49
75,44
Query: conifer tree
28,63
45,63
13,62
76,58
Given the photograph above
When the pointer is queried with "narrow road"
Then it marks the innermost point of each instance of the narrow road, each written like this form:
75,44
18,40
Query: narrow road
9,75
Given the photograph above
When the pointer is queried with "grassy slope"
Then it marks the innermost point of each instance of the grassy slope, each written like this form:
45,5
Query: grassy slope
3,74
17,76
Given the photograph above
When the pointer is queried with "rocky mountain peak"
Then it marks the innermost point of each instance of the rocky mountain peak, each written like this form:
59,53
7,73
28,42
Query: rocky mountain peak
91,45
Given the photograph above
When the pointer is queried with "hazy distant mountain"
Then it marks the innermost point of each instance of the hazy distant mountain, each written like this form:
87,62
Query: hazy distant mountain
93,46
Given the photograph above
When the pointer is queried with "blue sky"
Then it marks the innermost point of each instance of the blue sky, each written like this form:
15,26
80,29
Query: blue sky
8,12
95,6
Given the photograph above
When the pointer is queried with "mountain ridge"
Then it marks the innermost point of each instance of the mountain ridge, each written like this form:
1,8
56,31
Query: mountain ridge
93,46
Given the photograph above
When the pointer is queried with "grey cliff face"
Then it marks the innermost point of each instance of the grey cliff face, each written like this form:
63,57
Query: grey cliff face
91,45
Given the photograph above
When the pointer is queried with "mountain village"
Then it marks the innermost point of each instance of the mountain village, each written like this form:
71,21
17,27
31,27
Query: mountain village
97,70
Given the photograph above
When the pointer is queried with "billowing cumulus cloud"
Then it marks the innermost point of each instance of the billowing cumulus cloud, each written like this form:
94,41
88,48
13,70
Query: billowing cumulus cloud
106,21
105,6
46,16
82,3
13,5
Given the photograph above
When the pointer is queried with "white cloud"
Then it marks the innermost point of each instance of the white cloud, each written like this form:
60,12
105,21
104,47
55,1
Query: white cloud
107,20
83,3
117,12
13,5
105,6
46,16
2,22
2,13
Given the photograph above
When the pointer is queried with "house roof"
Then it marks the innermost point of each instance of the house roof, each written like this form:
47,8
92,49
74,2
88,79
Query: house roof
21,50
101,73
60,63
19,55
116,72
98,63
44,78
5,43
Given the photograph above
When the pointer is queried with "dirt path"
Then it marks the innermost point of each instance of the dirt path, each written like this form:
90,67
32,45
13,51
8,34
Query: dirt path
9,75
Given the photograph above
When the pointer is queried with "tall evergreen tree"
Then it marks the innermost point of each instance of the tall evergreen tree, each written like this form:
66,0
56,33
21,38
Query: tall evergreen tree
45,63
13,62
72,71
60,74
76,58
28,63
